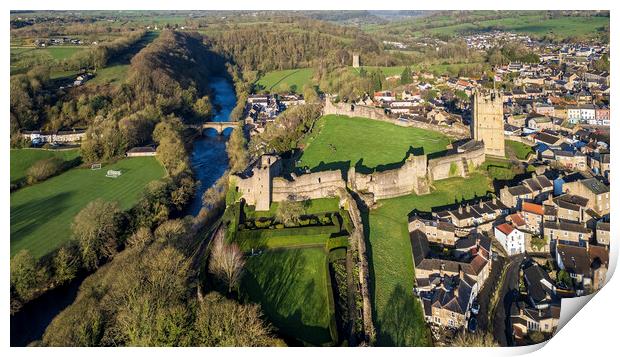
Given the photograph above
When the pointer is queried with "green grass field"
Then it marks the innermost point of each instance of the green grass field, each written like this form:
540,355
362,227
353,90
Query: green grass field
527,22
397,314
520,150
337,140
292,80
114,75
22,159
41,215
291,286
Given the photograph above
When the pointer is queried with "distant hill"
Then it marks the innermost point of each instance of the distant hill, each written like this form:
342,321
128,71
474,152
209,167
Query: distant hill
552,25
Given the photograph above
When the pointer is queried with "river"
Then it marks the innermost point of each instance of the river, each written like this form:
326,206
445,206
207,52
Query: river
209,159
209,162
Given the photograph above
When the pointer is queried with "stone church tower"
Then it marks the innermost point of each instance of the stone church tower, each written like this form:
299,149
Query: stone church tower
487,121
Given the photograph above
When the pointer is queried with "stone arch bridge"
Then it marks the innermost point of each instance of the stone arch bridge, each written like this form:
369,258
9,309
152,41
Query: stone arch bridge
219,126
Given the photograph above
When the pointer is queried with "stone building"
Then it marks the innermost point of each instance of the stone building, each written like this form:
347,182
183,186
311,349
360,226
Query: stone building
487,124
254,183
356,61
596,192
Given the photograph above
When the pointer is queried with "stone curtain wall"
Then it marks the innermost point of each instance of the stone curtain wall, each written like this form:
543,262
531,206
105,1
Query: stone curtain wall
309,186
439,168
358,243
457,130
409,178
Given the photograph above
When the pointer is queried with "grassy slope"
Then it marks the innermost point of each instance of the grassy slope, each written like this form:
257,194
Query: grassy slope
291,287
41,215
522,22
520,150
378,143
283,80
22,159
398,316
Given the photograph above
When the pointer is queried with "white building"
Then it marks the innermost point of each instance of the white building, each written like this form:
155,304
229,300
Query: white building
512,239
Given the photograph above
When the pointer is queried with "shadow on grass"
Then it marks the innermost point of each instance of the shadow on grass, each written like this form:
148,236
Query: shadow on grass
401,324
28,215
344,166
273,281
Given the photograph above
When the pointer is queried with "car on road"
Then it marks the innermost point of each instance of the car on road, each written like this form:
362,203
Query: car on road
472,325
475,308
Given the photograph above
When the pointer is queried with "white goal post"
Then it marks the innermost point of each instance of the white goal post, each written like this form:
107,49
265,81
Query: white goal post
113,173
95,167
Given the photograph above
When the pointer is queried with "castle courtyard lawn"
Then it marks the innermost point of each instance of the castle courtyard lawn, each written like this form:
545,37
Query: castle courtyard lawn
41,215
22,159
291,287
336,140
397,314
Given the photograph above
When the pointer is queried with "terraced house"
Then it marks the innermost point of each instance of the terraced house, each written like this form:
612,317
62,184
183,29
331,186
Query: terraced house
448,278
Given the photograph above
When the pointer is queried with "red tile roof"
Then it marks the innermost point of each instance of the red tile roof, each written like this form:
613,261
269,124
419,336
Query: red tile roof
505,228
517,219
532,208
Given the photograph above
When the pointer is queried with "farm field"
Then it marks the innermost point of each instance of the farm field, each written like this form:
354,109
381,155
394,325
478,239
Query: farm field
526,22
344,141
397,314
290,80
23,58
291,285
22,159
50,206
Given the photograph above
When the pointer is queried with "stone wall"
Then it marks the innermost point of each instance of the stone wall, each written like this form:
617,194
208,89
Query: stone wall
439,168
308,186
409,178
457,131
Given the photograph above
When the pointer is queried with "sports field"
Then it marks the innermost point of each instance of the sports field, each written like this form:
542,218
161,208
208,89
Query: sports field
41,215
292,80
22,159
291,285
339,141
397,314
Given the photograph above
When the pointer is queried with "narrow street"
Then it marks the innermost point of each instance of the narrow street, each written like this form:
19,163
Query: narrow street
502,328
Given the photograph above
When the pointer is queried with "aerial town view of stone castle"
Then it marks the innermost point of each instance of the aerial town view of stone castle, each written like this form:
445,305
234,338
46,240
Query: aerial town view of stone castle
306,178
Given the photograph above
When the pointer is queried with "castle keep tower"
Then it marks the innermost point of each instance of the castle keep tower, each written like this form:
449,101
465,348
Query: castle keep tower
487,121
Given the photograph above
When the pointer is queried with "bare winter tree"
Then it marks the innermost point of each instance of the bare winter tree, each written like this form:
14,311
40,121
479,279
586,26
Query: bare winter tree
226,261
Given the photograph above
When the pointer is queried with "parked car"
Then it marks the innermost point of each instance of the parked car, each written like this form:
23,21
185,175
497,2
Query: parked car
475,308
472,325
